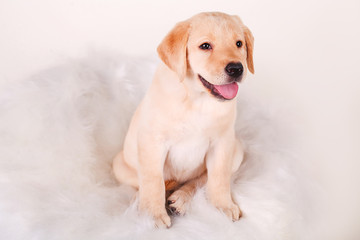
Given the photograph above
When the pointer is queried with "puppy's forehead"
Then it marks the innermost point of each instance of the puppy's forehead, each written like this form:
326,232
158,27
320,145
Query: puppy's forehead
215,24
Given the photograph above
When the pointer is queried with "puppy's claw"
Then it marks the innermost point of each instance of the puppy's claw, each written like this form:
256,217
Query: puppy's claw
162,221
172,209
233,212
170,202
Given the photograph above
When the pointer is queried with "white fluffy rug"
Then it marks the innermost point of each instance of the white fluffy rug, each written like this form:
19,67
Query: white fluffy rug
60,129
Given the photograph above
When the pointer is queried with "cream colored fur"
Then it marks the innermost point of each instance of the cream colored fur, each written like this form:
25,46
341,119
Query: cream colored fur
180,132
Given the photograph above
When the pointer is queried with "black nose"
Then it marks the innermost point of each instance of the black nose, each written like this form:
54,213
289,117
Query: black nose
234,69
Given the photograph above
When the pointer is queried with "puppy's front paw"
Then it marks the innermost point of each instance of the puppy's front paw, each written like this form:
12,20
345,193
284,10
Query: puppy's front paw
231,210
162,220
157,213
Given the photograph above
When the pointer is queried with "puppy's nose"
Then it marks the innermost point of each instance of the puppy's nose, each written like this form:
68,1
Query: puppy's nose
234,69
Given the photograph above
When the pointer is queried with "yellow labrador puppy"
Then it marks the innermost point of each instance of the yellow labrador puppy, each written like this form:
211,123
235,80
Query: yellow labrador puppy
182,134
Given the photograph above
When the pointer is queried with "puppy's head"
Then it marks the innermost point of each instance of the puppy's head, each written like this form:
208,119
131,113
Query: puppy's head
210,52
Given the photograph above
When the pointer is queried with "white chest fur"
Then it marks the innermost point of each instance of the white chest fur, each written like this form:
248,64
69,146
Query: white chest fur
186,157
188,147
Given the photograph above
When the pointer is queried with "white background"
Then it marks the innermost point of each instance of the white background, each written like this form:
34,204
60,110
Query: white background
306,55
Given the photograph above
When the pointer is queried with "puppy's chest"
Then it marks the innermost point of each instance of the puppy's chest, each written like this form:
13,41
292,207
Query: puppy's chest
186,157
188,146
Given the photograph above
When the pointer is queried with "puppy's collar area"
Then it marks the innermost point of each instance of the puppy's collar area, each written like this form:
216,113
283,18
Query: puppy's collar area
224,91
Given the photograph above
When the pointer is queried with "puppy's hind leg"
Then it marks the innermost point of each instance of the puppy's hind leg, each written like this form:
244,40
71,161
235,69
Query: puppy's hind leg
179,200
123,172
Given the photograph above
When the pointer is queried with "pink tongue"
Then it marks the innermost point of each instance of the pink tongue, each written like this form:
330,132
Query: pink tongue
228,91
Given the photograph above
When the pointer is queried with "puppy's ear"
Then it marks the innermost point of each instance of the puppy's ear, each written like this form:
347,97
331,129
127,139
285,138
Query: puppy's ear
172,50
249,39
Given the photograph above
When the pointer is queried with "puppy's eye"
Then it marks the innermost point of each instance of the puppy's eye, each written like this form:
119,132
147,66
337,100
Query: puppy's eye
239,44
205,46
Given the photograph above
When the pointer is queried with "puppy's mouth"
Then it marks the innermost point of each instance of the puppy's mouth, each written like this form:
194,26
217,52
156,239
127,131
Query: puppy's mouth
224,91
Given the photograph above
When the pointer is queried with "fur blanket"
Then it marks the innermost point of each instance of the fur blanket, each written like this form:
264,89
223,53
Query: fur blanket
60,129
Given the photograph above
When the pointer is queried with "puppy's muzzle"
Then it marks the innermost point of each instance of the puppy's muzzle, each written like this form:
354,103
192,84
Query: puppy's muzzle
234,70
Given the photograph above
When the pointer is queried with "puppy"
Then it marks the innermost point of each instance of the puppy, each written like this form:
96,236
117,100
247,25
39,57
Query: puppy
182,134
